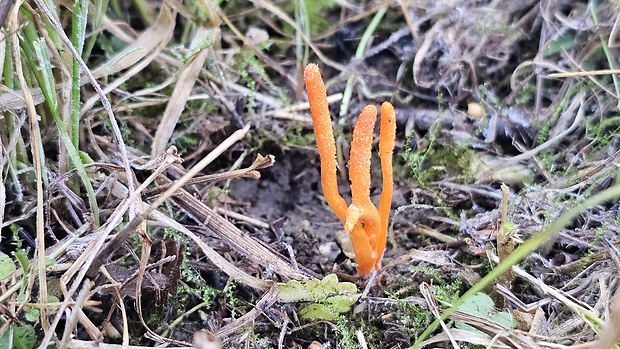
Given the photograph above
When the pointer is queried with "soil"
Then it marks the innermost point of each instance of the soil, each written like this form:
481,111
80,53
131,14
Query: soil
287,197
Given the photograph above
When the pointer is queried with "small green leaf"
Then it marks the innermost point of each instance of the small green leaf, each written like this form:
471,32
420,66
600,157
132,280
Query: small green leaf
4,340
342,303
318,312
482,306
293,291
86,159
23,338
49,261
32,315
330,309
329,297
7,267
503,318
314,290
22,258
478,305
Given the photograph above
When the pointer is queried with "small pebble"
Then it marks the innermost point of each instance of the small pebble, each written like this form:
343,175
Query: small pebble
475,110
344,240
329,250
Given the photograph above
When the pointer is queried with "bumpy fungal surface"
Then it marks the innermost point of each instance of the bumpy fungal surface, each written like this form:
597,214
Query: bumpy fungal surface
359,174
387,141
366,224
326,146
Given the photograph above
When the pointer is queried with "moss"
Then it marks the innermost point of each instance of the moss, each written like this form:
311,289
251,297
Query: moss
250,63
438,161
186,142
605,131
448,292
412,317
296,136
346,334
435,163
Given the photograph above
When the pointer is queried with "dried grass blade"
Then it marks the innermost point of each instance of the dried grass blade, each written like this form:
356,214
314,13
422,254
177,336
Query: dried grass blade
464,336
146,43
359,53
2,187
259,163
165,31
104,101
37,156
74,315
505,244
204,38
522,251
113,244
431,302
80,344
250,247
221,262
265,302
277,11
16,99
90,257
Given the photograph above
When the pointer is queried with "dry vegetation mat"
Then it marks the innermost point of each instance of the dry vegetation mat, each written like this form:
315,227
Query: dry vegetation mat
162,186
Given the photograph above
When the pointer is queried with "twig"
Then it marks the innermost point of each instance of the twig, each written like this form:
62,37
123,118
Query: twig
72,319
579,100
115,243
243,218
227,267
265,302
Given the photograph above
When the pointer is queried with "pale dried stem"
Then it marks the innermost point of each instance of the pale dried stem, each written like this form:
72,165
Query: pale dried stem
37,156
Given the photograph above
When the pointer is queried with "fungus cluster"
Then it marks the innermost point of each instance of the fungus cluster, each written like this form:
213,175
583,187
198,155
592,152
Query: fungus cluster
366,224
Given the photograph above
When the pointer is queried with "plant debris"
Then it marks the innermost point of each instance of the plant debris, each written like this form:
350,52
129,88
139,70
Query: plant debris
161,186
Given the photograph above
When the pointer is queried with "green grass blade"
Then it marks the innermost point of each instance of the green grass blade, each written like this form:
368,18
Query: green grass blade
8,78
361,48
98,10
611,60
49,91
80,15
302,50
523,251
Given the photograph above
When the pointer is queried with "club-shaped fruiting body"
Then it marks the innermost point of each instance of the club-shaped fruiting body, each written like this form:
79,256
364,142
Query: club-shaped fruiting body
366,224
